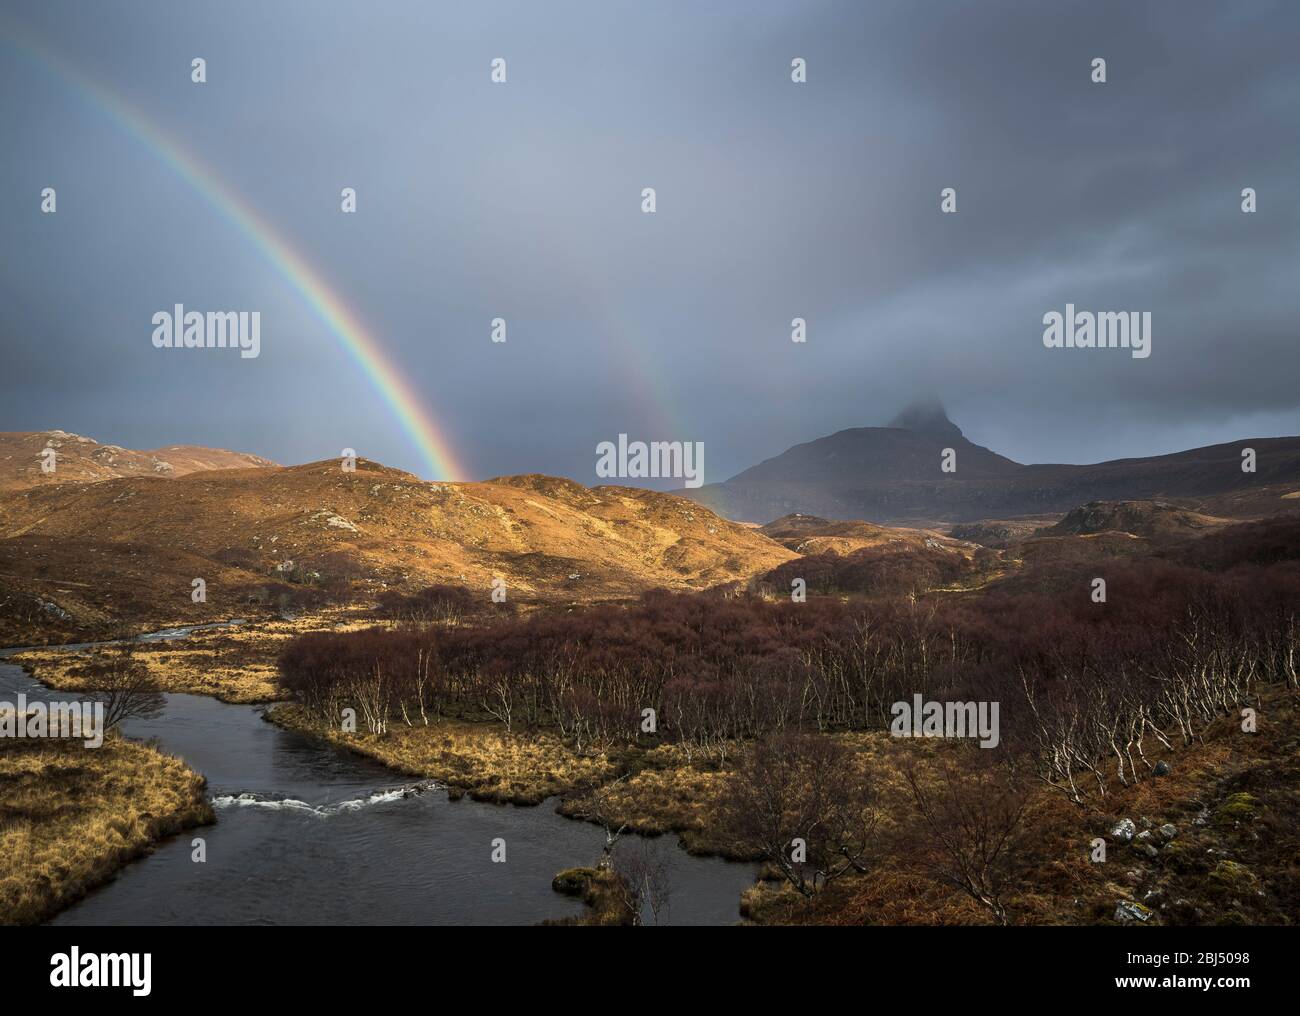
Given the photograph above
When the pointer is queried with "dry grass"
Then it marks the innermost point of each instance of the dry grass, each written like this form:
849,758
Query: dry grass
236,665
652,791
71,816
599,889
480,759
662,791
1235,859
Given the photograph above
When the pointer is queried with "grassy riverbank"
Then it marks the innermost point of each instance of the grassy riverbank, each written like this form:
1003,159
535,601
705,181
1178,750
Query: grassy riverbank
605,899
652,791
233,664
71,816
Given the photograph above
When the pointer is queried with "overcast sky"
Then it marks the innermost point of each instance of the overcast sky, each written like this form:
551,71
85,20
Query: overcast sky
775,200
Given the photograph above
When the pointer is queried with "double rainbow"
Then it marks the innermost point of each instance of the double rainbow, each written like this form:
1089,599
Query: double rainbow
324,300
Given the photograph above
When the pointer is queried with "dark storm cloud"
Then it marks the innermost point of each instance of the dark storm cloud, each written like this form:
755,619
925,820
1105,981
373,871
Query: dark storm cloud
775,200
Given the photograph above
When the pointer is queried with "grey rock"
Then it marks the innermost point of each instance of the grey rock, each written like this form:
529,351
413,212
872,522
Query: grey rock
1124,830
1128,912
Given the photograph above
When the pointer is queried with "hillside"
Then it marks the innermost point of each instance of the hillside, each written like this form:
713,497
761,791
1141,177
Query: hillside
1158,520
74,556
809,535
891,475
83,459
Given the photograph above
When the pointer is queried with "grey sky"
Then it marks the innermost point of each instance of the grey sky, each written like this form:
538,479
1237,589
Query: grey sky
775,200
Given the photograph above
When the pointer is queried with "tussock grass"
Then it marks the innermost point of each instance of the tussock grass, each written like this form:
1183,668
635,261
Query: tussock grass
480,759
236,665
666,793
663,790
71,816
600,891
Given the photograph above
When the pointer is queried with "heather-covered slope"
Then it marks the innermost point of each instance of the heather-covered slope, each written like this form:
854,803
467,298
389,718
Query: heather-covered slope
129,549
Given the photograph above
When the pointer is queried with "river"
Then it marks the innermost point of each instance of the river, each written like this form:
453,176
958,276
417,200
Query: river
309,834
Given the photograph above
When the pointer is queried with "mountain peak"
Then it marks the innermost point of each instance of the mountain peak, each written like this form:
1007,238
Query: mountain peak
926,416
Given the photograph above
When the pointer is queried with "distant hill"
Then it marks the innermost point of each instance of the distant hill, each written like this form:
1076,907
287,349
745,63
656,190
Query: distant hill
85,460
1152,519
808,535
891,475
128,549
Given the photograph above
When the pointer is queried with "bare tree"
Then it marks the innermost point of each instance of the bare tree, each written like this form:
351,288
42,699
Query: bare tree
642,872
499,699
122,683
971,819
597,804
373,691
806,804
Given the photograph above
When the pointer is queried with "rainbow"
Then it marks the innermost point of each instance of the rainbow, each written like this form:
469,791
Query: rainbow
323,299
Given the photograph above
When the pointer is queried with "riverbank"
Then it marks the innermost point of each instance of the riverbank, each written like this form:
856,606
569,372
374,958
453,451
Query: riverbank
652,791
233,663
606,899
71,817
